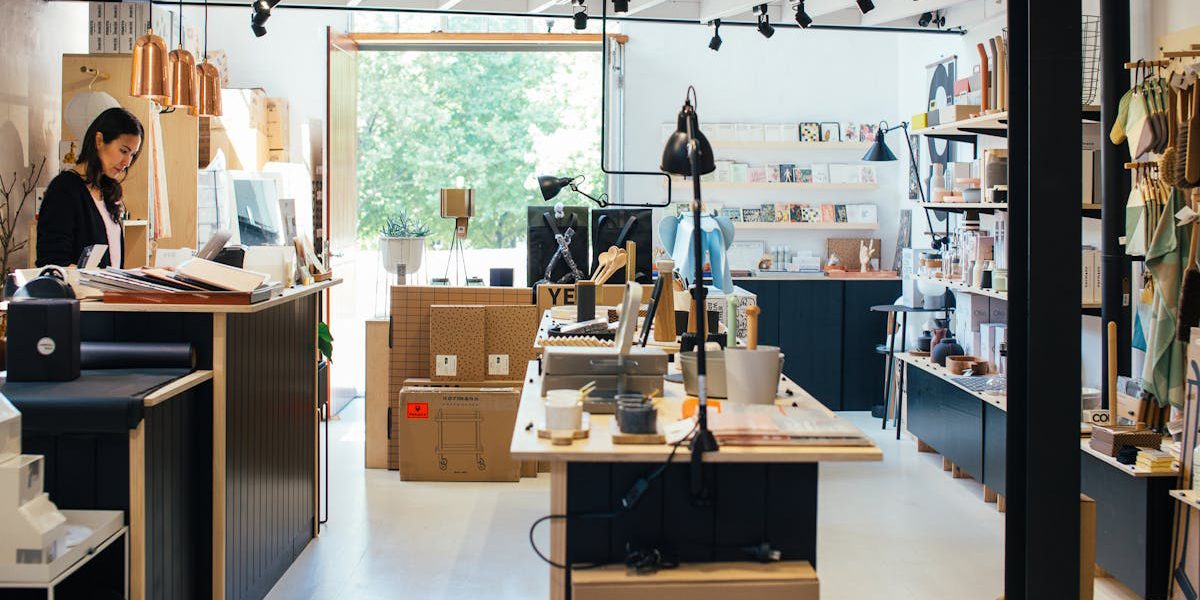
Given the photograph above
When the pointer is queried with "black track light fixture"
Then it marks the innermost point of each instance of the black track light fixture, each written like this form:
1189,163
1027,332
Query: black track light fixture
581,16
262,12
866,6
764,22
936,18
802,18
715,43
620,6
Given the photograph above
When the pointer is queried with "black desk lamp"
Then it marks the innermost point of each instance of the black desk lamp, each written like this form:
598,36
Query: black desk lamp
688,153
551,186
879,152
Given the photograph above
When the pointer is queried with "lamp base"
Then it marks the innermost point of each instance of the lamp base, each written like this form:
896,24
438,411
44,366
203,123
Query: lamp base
704,441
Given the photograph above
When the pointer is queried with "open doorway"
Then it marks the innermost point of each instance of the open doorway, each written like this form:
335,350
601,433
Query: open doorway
488,112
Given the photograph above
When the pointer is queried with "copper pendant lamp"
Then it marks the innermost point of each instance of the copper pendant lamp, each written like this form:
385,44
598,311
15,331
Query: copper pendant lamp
181,80
149,66
208,81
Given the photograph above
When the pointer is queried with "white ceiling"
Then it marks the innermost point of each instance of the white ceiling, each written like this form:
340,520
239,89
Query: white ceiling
901,13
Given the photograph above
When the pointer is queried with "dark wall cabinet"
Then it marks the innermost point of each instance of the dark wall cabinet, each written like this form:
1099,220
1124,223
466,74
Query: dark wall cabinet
828,335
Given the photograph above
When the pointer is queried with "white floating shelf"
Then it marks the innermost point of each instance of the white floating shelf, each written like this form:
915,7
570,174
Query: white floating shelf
964,205
795,145
814,226
135,223
995,121
961,287
781,186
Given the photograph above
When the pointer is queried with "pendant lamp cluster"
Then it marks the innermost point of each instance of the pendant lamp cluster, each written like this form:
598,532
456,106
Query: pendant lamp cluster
174,80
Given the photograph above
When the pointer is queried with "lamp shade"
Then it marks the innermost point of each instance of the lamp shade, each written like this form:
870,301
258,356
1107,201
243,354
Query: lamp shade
149,68
84,107
551,185
207,91
675,158
879,152
180,89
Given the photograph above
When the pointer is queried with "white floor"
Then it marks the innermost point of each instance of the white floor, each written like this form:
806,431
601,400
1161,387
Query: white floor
898,529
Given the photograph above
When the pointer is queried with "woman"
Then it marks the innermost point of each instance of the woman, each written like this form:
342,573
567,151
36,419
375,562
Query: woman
83,206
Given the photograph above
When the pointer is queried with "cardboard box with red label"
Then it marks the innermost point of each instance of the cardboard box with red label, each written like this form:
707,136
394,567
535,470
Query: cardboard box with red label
457,434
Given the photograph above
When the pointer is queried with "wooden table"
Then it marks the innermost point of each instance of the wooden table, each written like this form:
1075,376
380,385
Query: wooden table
762,494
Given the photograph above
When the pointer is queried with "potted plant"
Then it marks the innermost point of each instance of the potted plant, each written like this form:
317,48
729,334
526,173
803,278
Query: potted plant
402,244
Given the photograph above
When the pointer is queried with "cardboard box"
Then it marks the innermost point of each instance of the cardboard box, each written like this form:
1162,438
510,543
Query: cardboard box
457,434
376,395
787,580
508,340
456,343
957,112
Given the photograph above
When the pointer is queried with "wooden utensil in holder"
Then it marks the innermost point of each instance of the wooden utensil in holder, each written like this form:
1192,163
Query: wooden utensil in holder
664,314
752,313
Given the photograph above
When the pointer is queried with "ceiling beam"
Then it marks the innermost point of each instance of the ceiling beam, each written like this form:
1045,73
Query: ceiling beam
640,5
449,4
819,8
541,6
895,11
720,9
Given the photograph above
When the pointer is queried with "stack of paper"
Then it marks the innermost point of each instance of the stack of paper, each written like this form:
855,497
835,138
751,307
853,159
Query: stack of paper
1155,461
774,425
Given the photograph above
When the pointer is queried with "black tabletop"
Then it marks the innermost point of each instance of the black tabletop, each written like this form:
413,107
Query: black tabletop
108,400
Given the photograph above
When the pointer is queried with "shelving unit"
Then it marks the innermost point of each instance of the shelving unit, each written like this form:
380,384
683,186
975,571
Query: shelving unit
1131,470
812,226
781,186
995,124
962,287
924,363
965,206
793,145
1188,497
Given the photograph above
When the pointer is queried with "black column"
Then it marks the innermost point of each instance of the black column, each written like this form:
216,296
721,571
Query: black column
1114,182
1042,526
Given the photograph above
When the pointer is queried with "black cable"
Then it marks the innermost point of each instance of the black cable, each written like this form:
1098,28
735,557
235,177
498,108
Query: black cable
627,503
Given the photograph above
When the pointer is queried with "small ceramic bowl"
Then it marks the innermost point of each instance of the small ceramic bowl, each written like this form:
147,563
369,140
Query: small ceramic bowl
960,363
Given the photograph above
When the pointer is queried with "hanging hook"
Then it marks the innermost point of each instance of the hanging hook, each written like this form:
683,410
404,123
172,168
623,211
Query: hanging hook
95,73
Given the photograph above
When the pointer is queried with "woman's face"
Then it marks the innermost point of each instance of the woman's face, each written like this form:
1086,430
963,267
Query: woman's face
115,156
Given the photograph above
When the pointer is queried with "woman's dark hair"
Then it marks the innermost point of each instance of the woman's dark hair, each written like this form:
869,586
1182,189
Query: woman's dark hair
111,124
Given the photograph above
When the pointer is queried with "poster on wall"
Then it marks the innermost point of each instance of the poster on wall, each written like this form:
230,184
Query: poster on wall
941,74
914,177
903,237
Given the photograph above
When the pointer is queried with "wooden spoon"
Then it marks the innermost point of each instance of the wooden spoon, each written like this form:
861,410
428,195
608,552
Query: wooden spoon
602,263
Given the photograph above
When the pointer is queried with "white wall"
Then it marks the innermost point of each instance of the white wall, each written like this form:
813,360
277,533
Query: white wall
36,35
288,62
794,76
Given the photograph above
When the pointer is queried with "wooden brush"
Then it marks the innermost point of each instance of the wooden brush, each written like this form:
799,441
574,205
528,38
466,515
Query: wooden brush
1168,162
1181,137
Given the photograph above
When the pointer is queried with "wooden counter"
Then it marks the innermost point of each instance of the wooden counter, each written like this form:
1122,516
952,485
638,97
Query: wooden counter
262,360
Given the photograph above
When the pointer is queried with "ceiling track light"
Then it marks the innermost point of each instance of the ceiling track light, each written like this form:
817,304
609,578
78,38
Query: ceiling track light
581,16
764,22
262,12
802,18
715,43
866,6
620,6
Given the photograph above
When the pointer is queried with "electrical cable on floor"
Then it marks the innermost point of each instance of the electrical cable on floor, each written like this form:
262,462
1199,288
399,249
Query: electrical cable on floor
627,503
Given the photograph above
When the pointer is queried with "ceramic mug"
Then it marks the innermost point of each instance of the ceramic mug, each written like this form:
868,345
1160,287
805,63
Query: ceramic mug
564,410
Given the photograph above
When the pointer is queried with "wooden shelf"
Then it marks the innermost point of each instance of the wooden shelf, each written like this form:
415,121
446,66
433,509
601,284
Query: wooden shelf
1188,497
1091,207
964,206
136,223
780,186
926,364
815,226
793,145
993,124
961,287
1130,470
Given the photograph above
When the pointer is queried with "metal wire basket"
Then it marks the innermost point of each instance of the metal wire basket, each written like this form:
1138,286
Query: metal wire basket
1090,58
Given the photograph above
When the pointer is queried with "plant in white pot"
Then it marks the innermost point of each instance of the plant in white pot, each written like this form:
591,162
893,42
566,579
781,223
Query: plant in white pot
402,244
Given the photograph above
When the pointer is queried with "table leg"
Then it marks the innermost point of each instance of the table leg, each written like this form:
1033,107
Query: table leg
900,387
558,529
891,366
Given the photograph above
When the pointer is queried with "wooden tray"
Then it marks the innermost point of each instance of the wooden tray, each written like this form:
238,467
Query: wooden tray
566,437
637,438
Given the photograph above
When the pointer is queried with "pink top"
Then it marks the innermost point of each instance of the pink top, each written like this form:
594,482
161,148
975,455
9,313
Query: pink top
113,229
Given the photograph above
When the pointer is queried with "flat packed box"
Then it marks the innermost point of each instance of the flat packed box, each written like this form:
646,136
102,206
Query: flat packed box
456,343
457,434
957,112
786,580
508,340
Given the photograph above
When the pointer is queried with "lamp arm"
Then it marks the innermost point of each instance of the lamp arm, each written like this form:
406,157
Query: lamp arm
912,159
602,201
604,118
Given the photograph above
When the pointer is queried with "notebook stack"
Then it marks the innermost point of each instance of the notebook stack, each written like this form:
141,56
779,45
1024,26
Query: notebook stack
1108,441
1155,461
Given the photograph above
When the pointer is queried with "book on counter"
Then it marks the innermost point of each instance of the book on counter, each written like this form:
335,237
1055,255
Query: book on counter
195,281
775,425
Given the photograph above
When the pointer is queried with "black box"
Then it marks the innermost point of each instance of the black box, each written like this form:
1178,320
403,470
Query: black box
43,340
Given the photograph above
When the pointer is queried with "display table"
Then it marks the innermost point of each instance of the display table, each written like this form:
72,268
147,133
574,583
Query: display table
222,469
761,494
89,569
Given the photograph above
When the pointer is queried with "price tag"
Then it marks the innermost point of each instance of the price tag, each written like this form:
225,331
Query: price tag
497,364
447,365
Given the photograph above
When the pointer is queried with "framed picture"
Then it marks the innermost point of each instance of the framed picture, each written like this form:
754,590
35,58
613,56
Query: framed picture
733,214
756,175
820,173
810,214
810,132
804,175
840,213
768,213
787,173
866,133
752,215
773,172
828,215
783,213
850,132
831,132
867,174
797,213
914,178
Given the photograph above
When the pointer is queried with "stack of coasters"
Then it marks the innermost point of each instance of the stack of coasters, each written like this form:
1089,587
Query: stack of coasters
1108,440
1155,461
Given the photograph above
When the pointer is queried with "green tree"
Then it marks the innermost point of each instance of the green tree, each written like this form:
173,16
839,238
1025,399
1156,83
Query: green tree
493,119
